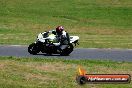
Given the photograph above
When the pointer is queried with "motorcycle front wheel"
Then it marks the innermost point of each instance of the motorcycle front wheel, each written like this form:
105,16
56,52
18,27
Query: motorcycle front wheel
33,49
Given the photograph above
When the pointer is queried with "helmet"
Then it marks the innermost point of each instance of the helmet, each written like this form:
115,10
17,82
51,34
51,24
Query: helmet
59,29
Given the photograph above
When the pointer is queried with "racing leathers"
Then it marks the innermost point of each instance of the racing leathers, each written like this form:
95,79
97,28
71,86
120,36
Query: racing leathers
62,38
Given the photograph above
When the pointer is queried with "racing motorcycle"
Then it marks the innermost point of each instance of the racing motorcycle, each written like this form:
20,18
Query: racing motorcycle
49,45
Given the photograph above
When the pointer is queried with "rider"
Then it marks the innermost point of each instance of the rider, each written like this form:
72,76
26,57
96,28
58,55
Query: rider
62,36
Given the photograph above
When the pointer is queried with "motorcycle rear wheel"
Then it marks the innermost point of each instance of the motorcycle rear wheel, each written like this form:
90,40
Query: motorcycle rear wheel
67,51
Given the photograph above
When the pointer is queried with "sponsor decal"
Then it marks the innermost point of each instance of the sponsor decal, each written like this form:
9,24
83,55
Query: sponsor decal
83,78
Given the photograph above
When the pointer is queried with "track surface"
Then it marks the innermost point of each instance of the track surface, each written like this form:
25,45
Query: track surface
79,53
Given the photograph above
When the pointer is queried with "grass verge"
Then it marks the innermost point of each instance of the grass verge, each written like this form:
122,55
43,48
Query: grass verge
98,23
56,73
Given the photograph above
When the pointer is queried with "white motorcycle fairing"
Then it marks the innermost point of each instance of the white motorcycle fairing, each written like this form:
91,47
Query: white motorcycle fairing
49,44
52,37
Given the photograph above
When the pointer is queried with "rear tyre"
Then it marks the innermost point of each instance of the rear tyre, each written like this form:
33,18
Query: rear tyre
67,51
33,49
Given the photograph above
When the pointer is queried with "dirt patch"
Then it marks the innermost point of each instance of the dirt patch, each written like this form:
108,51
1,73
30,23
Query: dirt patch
39,77
109,70
2,66
53,67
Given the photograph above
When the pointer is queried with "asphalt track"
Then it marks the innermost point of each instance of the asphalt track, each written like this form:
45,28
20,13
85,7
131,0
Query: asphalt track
78,53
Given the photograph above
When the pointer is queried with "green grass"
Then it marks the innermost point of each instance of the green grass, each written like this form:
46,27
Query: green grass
22,20
56,73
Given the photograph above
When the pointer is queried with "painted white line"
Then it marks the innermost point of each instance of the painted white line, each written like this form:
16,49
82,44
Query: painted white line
120,49
75,48
13,45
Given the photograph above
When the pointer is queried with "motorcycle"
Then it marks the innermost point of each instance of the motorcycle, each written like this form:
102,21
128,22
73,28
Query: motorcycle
49,45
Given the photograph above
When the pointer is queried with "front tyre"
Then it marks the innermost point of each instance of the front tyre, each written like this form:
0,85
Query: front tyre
33,49
67,51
